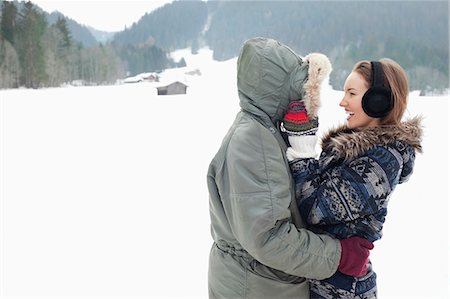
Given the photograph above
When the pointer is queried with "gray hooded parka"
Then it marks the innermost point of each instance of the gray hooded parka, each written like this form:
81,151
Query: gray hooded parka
260,249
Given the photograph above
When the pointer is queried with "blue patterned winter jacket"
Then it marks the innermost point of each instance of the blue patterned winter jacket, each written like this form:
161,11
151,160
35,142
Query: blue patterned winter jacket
345,192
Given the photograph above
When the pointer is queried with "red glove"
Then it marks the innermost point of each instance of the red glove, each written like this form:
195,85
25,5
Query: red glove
355,256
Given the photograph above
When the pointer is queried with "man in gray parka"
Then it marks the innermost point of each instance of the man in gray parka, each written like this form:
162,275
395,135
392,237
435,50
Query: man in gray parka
260,249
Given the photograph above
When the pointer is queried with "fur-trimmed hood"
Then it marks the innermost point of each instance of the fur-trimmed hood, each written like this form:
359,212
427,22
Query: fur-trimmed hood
270,75
348,143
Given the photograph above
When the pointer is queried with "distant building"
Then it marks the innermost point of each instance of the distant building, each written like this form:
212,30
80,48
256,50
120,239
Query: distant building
151,78
176,87
144,77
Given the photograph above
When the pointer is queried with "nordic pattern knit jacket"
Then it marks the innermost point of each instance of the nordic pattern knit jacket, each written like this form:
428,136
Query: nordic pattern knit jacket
346,191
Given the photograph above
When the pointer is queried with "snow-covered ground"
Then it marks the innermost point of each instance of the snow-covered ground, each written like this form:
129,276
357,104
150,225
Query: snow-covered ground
103,190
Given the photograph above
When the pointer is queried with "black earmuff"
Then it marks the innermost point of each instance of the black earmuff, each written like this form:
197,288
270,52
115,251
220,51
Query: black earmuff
377,102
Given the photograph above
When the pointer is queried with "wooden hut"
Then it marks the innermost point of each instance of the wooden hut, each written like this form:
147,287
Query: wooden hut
176,87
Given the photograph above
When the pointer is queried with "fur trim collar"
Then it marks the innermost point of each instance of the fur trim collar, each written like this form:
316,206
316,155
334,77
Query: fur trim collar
350,143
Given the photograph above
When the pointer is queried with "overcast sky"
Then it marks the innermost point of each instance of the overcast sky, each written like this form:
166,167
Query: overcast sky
106,15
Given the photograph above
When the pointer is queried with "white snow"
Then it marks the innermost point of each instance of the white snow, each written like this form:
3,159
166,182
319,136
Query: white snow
103,190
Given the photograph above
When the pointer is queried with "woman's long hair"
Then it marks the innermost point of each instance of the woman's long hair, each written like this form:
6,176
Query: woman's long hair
395,79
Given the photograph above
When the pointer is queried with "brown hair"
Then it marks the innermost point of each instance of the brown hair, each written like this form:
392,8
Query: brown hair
395,79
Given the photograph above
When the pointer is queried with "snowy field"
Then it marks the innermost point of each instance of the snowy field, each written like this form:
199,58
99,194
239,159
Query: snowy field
103,190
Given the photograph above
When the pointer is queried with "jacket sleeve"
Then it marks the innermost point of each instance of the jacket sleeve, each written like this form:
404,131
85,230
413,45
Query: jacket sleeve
345,191
255,188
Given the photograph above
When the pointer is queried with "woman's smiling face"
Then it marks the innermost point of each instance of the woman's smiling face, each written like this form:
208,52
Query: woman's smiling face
354,88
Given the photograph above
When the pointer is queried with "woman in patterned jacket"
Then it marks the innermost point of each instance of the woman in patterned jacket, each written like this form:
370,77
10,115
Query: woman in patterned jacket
345,192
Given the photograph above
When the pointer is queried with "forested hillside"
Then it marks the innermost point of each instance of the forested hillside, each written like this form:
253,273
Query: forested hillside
174,26
80,34
37,51
414,33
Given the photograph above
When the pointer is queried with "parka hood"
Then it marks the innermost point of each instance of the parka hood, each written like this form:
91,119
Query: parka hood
270,75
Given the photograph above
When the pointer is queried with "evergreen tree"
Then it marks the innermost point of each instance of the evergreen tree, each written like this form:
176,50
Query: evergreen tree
61,25
8,21
31,27
181,63
9,65
57,53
